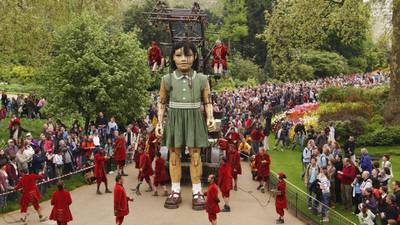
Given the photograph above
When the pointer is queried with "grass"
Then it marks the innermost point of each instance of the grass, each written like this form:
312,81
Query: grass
290,162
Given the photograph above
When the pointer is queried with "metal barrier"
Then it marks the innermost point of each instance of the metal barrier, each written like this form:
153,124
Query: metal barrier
297,201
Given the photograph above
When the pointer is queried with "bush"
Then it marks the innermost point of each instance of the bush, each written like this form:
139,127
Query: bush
17,73
375,95
244,69
341,111
325,64
385,136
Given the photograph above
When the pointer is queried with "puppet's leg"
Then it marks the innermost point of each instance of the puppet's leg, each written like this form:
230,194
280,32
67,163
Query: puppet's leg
175,170
196,170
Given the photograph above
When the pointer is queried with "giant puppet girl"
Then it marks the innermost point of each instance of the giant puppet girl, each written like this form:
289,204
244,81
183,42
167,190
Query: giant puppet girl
184,91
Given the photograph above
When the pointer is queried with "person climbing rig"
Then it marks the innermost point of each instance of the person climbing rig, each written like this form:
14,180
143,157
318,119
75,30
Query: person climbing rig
220,62
155,57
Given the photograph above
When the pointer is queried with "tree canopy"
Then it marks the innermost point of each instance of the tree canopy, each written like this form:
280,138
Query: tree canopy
94,68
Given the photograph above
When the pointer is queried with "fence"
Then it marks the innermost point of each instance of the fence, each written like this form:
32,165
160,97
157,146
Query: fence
297,202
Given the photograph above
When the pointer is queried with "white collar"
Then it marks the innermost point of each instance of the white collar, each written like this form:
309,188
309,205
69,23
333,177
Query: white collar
182,76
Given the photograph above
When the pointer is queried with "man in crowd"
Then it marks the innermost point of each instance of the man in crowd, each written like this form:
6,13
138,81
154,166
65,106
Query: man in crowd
346,177
310,178
350,149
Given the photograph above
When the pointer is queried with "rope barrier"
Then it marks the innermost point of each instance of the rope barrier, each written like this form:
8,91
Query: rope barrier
52,179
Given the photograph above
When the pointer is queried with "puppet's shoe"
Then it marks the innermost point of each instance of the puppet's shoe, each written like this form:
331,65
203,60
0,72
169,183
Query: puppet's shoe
198,202
226,209
42,218
173,201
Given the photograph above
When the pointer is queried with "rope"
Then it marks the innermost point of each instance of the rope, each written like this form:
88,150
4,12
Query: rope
51,180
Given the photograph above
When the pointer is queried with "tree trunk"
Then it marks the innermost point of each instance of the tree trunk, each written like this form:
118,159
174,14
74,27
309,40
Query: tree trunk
392,109
87,120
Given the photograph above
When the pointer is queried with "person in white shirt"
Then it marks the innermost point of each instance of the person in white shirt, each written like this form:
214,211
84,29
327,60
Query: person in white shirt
58,162
325,185
366,217
367,183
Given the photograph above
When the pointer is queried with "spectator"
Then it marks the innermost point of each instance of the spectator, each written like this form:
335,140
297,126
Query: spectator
365,161
306,156
396,192
324,185
346,177
310,178
387,164
350,148
256,137
357,193
366,217
390,210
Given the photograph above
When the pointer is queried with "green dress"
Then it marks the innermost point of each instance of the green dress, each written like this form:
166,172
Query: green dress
186,125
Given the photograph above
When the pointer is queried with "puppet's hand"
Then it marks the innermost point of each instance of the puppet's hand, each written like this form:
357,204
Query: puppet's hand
159,130
211,125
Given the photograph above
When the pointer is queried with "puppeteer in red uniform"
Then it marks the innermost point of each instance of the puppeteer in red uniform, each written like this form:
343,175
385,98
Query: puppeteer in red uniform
220,53
30,194
212,207
120,153
155,56
145,171
263,162
121,207
160,175
99,170
61,200
225,182
280,200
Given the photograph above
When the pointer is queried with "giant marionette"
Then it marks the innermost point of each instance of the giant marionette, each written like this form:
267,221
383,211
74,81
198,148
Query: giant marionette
185,91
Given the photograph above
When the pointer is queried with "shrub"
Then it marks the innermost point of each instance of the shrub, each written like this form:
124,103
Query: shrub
325,63
385,136
341,111
244,69
17,73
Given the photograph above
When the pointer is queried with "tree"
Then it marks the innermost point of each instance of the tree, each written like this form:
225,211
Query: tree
234,26
135,18
299,25
392,108
256,22
96,69
325,63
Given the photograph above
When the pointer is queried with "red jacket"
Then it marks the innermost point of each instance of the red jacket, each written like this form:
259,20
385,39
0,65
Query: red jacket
61,200
234,160
280,200
29,188
145,165
212,199
349,173
223,143
154,54
99,161
225,177
87,147
121,207
153,145
161,172
219,55
263,167
257,136
233,137
120,150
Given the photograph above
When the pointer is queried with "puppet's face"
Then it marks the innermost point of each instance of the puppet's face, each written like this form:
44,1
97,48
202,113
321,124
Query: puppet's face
184,62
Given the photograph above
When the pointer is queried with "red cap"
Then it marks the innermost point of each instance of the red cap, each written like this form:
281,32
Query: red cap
281,175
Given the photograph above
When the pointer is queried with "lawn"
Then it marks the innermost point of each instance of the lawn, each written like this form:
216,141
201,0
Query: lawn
290,162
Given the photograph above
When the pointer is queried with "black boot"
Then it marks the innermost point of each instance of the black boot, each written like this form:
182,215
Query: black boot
226,208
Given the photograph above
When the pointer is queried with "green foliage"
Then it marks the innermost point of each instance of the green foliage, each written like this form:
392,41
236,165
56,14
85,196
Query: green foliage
134,18
234,25
12,73
301,25
306,71
376,97
386,136
244,69
325,63
231,84
93,69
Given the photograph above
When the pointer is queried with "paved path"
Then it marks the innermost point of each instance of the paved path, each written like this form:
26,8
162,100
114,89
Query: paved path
91,209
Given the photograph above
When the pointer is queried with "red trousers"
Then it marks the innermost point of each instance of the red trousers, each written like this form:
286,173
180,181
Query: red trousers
61,223
24,205
280,211
119,220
